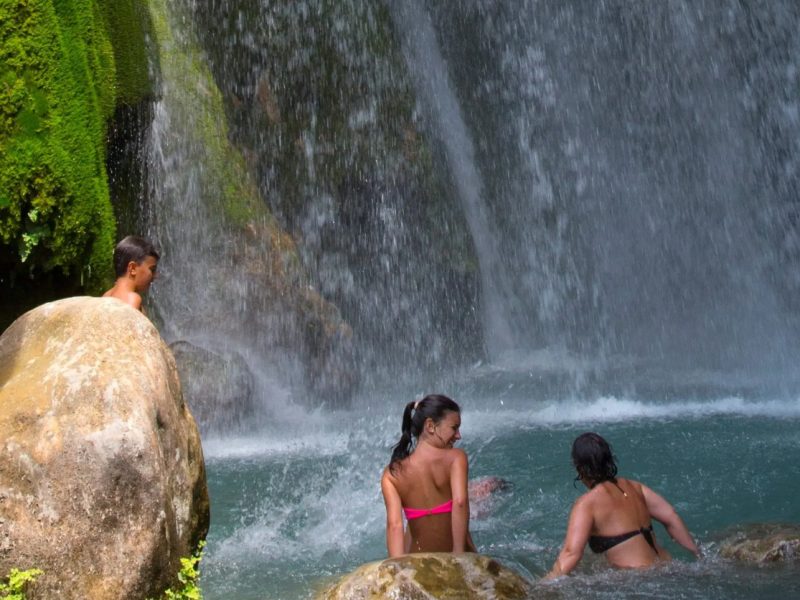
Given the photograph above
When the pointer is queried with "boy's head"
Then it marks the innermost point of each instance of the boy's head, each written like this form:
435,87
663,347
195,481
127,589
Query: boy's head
134,254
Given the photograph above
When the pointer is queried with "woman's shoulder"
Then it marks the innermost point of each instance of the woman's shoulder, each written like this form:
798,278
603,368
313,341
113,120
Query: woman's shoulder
390,471
456,455
624,481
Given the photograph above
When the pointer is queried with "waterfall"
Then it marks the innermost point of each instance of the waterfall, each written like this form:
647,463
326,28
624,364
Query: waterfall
604,186
320,103
435,91
599,197
642,170
249,331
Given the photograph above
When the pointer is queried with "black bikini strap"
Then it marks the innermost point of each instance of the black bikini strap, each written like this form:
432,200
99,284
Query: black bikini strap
647,532
614,481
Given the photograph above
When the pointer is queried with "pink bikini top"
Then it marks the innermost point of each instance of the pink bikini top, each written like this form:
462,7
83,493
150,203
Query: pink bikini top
416,513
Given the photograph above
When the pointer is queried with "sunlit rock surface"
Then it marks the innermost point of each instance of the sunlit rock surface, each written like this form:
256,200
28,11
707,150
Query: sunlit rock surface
762,543
102,480
442,576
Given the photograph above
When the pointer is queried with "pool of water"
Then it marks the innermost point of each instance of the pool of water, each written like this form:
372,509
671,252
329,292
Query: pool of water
299,504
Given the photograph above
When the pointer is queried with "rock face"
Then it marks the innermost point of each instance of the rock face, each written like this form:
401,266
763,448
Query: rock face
102,480
439,576
762,543
218,386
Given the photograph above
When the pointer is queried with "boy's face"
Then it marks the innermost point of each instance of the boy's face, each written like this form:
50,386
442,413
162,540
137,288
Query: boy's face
143,273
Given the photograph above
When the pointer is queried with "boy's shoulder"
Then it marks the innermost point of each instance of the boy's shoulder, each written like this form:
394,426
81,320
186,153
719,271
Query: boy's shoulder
128,297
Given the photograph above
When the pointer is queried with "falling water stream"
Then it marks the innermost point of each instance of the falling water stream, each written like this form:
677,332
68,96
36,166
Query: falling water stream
568,216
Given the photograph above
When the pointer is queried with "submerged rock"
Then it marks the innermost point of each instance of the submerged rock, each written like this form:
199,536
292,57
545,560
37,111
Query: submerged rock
102,479
441,576
762,543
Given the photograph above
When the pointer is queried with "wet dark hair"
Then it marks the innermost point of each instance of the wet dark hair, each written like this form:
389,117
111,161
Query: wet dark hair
433,406
132,248
593,459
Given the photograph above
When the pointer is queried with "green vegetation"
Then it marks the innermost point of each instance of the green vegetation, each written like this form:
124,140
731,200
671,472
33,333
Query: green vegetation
58,89
13,588
128,24
188,577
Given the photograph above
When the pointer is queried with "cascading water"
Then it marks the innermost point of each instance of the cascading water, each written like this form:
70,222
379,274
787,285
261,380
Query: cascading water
602,195
627,159
319,102
202,297
434,90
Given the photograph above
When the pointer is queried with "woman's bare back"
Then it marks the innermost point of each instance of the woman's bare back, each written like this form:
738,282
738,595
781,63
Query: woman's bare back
618,509
423,482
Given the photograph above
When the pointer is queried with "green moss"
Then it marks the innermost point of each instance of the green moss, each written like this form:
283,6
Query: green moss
228,187
128,24
438,578
59,85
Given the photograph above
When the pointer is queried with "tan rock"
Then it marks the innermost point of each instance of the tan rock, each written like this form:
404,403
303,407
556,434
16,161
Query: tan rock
439,576
102,480
762,543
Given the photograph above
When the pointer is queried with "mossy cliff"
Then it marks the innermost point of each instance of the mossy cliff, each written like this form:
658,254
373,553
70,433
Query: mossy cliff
60,83
321,104
252,289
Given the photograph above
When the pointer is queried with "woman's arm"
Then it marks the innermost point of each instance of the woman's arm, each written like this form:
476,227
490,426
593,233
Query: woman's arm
470,544
578,529
663,512
459,474
394,517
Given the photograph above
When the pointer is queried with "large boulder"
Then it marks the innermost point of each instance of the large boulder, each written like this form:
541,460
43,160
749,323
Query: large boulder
761,543
102,480
440,576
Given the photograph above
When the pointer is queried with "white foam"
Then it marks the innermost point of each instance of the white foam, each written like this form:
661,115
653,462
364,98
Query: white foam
327,434
609,409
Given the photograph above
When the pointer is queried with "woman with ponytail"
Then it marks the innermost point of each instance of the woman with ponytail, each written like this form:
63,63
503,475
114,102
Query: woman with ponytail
427,481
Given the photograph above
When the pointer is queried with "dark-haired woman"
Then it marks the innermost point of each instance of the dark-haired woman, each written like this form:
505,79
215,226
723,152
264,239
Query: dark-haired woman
615,516
427,481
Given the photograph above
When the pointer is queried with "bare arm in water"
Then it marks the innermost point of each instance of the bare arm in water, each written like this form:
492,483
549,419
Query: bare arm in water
578,529
663,512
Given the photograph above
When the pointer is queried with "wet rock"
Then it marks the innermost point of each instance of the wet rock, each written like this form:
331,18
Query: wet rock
442,576
102,479
217,386
762,543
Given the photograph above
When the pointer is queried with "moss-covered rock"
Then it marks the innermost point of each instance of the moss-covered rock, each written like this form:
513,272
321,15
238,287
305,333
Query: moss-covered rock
443,576
211,210
65,67
762,543
321,104
57,92
128,25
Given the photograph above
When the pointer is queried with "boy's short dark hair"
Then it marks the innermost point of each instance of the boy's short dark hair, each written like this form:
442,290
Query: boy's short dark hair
132,248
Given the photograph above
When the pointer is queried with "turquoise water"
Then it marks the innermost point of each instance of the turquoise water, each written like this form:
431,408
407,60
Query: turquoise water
300,503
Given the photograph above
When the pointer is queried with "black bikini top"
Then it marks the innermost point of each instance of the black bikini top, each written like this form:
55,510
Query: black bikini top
601,543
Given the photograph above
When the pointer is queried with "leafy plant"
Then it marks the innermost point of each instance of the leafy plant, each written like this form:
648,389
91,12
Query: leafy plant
17,580
188,576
